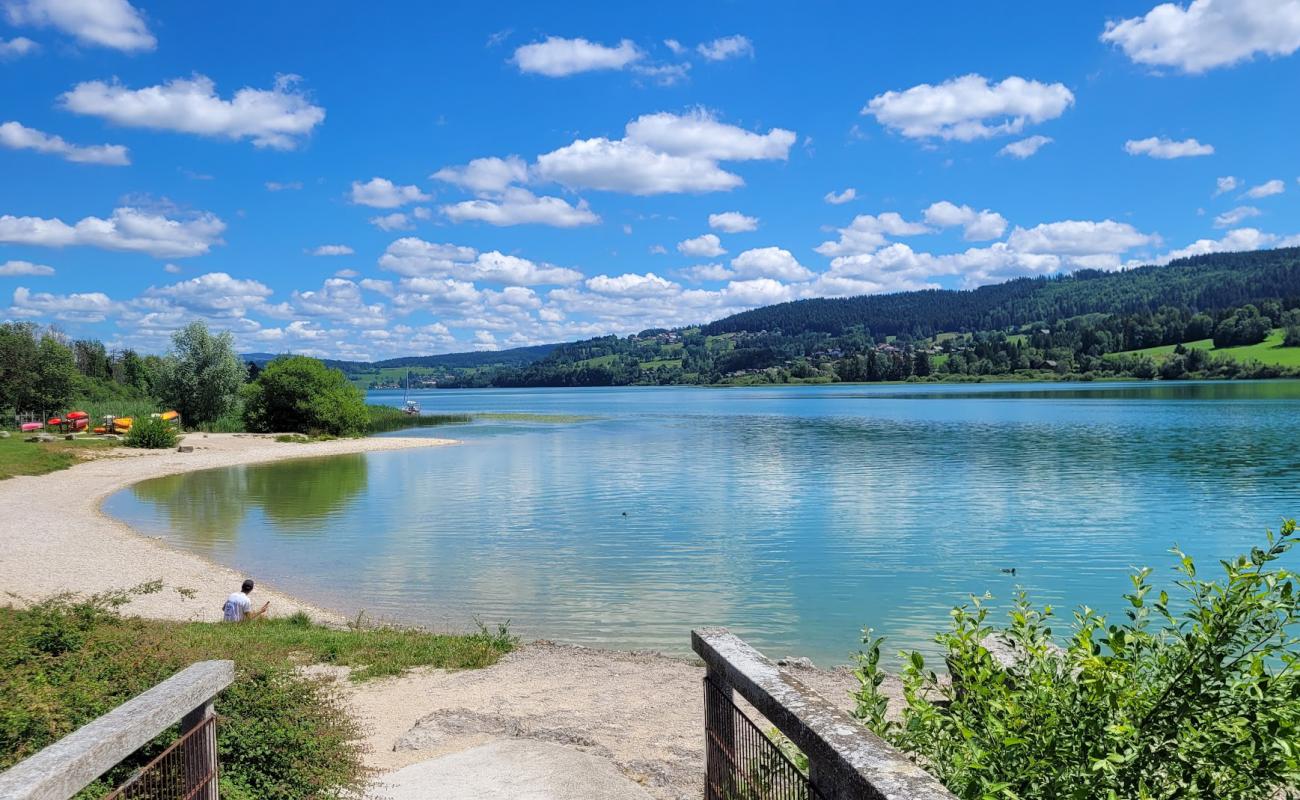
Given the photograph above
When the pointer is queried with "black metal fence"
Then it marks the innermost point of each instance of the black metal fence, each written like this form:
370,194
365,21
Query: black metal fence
741,762
186,770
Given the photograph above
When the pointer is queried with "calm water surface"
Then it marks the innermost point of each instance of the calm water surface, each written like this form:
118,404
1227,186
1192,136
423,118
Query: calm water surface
794,515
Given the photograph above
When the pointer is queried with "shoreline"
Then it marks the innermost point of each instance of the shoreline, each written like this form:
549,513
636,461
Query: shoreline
58,539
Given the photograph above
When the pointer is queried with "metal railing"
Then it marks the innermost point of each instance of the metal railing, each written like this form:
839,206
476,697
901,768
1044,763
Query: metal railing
845,760
740,761
74,762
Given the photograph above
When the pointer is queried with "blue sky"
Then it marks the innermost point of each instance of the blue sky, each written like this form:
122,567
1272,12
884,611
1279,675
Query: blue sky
411,178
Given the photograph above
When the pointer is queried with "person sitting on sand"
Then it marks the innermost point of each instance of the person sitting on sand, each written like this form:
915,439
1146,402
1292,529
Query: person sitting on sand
239,608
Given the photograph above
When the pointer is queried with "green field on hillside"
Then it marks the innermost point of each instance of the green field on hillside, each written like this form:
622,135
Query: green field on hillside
1269,351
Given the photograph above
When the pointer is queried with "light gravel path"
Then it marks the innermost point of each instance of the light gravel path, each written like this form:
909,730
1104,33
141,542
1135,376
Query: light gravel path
54,538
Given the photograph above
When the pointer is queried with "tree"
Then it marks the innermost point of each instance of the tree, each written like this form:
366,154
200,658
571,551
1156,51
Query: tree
300,394
202,376
1292,337
36,373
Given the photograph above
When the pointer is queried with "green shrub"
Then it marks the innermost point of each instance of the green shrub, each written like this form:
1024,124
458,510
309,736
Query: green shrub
301,395
153,433
1196,697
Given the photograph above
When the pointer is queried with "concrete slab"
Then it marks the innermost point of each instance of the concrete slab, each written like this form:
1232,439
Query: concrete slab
509,769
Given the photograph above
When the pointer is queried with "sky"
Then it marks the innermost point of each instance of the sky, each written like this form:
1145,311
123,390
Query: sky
364,182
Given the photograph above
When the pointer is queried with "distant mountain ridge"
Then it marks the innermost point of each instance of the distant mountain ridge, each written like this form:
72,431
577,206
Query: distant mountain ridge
514,357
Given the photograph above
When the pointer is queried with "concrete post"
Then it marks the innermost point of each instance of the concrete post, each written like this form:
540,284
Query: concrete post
205,747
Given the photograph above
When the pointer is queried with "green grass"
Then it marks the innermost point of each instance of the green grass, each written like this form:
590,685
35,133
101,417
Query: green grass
598,361
20,457
1269,351
525,417
661,362
67,661
387,418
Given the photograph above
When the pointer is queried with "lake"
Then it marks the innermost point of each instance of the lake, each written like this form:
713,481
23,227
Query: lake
794,515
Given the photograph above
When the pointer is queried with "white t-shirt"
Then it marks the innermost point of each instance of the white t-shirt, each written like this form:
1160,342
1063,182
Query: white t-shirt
236,607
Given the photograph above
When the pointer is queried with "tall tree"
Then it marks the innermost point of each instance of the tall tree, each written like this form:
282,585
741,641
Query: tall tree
201,376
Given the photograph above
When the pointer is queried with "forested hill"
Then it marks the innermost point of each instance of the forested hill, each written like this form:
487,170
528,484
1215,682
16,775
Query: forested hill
1199,283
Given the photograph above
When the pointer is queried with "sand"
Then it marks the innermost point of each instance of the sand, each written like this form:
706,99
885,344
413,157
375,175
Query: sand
642,712
54,538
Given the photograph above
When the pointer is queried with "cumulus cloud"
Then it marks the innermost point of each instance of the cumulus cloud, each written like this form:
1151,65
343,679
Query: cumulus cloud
1266,189
976,225
486,175
1236,216
557,57
107,23
663,153
17,47
1225,184
416,258
733,222
396,221
631,285
521,207
215,294
383,193
969,107
1208,33
706,246
88,307
333,250
1234,241
278,118
707,272
1079,238
16,136
15,269
496,267
840,198
1162,147
699,134
867,233
1025,147
726,47
128,230
770,262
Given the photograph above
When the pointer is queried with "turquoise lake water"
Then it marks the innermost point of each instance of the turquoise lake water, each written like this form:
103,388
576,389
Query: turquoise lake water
794,515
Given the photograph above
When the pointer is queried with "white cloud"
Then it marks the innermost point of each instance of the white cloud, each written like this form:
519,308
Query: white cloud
128,230
1225,184
658,250
698,134
1025,147
497,267
840,198
215,294
630,285
383,193
1162,147
1234,241
557,57
770,262
664,74
415,257
277,118
1078,238
706,246
677,47
17,47
339,299
1234,217
969,107
521,207
1266,189
275,186
347,273
976,225
333,250
486,175
733,222
867,233
1208,33
726,47
19,137
88,307
107,23
396,221
14,269
624,166
172,269
707,272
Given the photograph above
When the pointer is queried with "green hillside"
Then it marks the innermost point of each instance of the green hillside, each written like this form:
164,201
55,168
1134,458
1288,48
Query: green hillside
1269,351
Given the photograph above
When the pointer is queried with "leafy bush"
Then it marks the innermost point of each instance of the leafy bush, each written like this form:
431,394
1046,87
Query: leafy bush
153,433
1191,698
1292,338
202,376
300,394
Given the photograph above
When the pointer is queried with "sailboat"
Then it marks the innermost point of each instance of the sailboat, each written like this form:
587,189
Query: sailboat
412,407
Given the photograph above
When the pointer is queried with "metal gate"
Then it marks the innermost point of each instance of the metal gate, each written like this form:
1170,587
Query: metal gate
186,770
740,761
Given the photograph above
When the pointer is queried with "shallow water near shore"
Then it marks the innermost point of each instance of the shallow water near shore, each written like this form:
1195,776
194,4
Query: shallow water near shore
793,515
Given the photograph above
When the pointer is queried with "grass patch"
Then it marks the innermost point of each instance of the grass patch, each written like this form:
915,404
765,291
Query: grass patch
20,457
387,418
302,438
526,417
1269,351
67,661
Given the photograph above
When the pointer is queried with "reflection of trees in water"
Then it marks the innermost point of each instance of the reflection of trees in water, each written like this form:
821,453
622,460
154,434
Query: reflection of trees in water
295,496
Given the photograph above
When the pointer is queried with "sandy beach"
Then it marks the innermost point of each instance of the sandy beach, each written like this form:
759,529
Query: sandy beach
641,712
